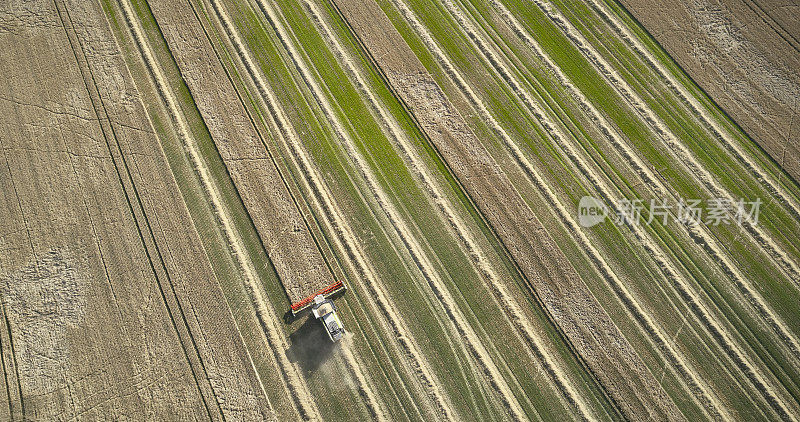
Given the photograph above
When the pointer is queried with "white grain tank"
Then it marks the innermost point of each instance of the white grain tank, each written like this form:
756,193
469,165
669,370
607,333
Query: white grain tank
325,311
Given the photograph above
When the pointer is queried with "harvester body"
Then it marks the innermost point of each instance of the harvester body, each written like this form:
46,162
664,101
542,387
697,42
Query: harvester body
325,311
323,308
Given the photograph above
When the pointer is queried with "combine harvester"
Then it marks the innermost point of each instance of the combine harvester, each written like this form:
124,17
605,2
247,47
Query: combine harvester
303,272
323,309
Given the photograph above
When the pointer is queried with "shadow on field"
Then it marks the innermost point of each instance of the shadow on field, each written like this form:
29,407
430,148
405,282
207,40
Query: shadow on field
310,345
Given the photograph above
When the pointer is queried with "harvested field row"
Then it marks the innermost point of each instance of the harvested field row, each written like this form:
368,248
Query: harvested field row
222,362
283,230
294,255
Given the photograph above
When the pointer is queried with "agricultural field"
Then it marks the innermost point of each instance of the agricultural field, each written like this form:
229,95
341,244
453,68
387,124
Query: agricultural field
535,211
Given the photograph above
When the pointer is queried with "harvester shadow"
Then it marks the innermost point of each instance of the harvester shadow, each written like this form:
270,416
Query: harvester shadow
310,346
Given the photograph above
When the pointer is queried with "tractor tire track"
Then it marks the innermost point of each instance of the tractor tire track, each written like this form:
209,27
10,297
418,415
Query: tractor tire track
788,265
277,343
149,240
16,399
344,239
767,18
365,388
11,371
402,231
469,244
667,267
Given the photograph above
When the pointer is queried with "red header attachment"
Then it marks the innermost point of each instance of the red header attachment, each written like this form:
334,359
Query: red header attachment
329,290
